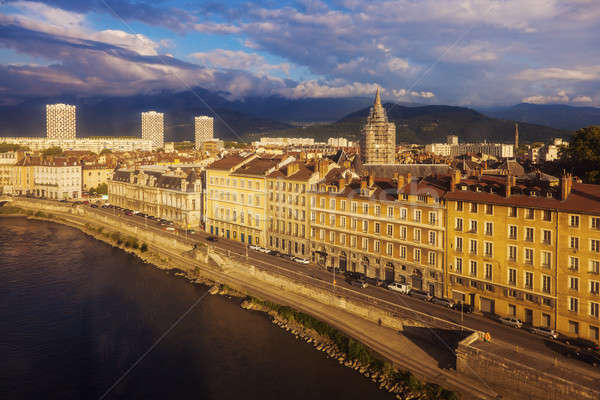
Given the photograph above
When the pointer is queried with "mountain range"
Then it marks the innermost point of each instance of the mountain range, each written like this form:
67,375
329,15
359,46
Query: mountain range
254,117
556,115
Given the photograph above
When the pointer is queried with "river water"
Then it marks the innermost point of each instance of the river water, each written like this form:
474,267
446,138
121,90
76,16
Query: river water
76,314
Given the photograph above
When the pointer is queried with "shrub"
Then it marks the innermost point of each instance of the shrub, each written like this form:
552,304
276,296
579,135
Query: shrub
144,247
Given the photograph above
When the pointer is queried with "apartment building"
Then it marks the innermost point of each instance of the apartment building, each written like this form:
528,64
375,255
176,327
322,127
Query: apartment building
95,175
528,249
236,202
171,193
288,209
390,229
56,178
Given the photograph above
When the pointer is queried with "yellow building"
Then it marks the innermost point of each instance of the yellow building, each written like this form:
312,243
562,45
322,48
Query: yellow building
288,223
95,175
236,197
529,249
390,229
22,177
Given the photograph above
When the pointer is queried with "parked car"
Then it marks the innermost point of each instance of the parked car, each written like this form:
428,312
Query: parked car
589,356
301,260
582,343
358,282
94,205
443,302
254,247
511,321
212,238
399,287
543,331
420,294
465,308
129,213
353,275
374,281
275,253
191,231
169,228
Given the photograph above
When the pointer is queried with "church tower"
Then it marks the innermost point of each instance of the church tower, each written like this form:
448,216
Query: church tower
378,139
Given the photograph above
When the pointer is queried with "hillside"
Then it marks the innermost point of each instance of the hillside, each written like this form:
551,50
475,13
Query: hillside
556,115
429,124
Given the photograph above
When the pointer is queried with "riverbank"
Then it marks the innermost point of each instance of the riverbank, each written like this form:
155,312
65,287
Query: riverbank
347,351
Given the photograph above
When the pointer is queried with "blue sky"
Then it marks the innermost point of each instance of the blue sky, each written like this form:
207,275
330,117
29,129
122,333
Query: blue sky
463,52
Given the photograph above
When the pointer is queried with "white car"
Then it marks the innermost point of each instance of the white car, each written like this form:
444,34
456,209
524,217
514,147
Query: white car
254,247
169,228
399,287
510,321
301,260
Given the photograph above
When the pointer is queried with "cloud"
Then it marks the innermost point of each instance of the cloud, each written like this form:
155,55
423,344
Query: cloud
229,59
577,74
560,97
475,51
582,99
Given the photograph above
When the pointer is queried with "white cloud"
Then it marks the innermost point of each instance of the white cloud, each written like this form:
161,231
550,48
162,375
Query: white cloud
313,88
213,27
230,59
560,97
582,99
477,51
575,74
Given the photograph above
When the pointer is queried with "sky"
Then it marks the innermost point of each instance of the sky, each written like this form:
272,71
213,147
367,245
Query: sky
459,52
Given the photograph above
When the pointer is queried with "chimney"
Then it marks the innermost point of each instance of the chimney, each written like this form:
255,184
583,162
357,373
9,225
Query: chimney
371,180
363,184
408,178
457,176
400,182
347,164
566,182
396,176
508,185
341,184
516,139
302,156
452,182
348,178
292,168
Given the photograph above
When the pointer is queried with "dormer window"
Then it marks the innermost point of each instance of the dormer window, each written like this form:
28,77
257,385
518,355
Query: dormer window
463,187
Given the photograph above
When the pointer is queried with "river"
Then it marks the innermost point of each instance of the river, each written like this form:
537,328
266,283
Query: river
76,314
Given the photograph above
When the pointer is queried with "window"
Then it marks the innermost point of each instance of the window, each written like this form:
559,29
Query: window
417,255
353,241
529,280
489,228
574,263
332,220
594,309
365,225
473,226
594,287
403,252
529,256
595,223
529,234
459,224
459,206
512,310
342,221
390,230
489,249
377,227
574,243
354,207
512,212
594,333
573,283
473,207
546,280
331,204
459,244
403,232
432,258
488,271
353,223
574,221
365,244
332,237
529,213
512,276
365,208
343,205
574,327
473,268
390,212
473,246
459,264
489,209
573,304
546,259
595,245
403,213
432,238
512,232
547,215
377,246
512,253
594,266
417,235
390,249
547,237
417,216
377,211
433,218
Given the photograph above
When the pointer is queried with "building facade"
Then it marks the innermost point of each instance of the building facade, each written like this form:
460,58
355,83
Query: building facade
95,145
61,121
58,178
175,194
94,176
378,138
203,129
153,128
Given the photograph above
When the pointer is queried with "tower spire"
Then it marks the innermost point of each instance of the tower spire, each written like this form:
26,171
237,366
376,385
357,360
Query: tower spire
377,98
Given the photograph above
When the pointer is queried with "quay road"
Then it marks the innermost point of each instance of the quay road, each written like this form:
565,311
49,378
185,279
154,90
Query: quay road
507,337
509,340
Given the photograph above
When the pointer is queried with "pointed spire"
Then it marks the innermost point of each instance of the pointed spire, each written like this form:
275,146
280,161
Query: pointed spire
377,98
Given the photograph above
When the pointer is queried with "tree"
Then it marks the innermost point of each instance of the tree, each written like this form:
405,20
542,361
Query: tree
6,147
106,151
102,188
52,151
582,156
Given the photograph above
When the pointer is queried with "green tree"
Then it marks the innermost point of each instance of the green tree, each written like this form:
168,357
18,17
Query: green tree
582,156
6,147
106,151
53,151
102,188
